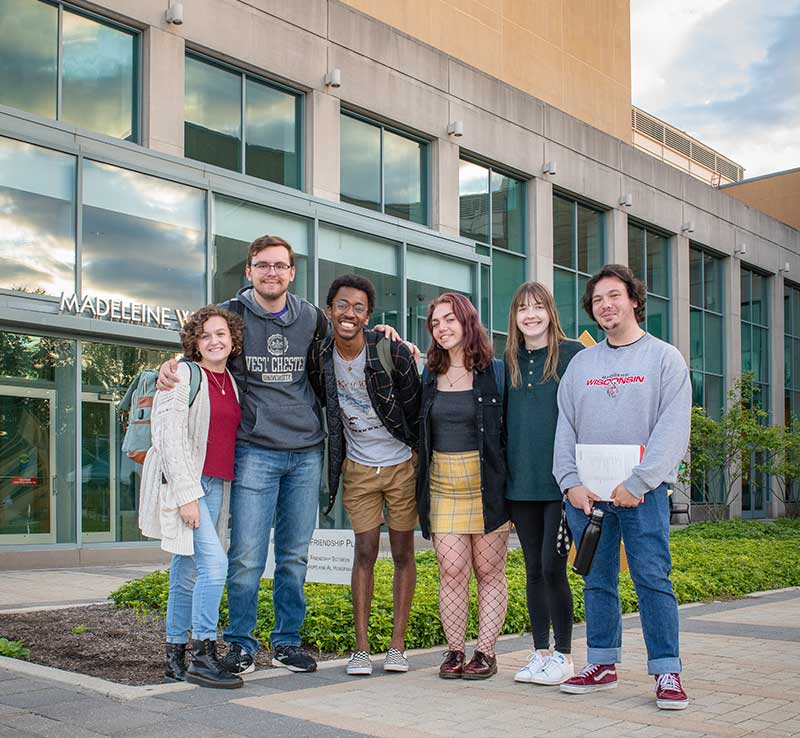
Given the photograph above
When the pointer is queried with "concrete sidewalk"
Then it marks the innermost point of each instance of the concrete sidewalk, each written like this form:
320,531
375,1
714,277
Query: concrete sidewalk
741,666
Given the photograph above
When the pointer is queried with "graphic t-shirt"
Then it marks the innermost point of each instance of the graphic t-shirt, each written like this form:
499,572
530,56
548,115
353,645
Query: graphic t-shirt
368,441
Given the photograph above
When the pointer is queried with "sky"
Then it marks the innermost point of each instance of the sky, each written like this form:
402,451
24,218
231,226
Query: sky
724,71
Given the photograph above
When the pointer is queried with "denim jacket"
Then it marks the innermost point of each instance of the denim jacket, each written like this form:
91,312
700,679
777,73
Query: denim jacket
491,447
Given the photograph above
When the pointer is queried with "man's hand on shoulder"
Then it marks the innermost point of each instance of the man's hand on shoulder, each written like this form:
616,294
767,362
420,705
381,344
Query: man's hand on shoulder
622,498
167,375
582,498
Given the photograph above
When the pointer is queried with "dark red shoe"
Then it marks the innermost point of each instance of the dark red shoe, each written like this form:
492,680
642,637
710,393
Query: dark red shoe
453,665
480,666
669,692
592,678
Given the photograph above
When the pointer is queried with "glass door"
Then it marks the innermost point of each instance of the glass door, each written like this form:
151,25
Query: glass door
27,465
98,469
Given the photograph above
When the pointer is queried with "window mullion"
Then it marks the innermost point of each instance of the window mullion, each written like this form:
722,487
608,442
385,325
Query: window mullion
59,58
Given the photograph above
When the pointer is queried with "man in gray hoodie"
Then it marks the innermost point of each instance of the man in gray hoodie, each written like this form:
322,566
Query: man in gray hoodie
631,390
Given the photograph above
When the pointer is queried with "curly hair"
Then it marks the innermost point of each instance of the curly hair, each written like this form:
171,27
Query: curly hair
478,351
635,287
356,282
192,329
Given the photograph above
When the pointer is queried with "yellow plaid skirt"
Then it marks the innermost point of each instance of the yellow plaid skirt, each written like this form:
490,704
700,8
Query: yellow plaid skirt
456,505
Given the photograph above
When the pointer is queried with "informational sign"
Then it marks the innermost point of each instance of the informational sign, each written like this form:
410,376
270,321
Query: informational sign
330,556
121,311
24,480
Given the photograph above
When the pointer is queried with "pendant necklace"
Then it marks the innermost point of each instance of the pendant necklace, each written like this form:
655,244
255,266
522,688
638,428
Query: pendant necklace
216,381
456,380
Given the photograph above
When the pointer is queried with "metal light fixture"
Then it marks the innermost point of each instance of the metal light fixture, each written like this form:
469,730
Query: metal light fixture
626,200
174,14
740,249
334,78
550,168
688,227
456,128
786,268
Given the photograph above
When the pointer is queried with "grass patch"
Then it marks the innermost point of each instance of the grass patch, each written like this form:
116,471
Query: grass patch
710,560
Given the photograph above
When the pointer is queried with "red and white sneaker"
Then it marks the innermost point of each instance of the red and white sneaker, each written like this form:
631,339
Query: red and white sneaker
592,678
669,692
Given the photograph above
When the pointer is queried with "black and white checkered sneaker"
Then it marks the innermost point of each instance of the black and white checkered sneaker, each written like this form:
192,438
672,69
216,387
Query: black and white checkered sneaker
359,664
395,660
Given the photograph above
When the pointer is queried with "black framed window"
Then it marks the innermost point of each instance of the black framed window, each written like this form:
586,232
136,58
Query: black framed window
648,258
791,369
236,121
70,65
383,169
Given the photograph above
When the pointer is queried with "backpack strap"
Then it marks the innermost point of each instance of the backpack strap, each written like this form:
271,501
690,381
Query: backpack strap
384,348
194,382
321,330
235,306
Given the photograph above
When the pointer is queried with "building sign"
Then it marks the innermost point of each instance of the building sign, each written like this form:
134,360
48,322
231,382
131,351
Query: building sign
24,480
121,311
330,556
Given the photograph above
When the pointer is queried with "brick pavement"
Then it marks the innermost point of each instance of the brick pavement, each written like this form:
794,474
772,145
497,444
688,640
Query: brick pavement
741,666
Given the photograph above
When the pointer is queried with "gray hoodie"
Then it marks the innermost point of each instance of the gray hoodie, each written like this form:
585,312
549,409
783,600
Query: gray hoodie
279,407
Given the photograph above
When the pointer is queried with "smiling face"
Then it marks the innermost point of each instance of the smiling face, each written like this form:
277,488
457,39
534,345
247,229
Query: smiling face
533,322
445,328
612,307
349,313
215,343
270,272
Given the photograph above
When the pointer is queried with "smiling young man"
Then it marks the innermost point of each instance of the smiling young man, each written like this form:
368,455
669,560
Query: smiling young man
631,389
372,408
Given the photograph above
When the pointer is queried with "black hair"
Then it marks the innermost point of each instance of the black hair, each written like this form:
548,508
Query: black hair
355,282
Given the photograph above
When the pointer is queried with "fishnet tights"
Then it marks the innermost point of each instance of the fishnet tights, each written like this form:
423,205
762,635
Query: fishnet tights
458,555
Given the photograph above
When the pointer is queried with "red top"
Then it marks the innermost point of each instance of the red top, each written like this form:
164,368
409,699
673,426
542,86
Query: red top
225,417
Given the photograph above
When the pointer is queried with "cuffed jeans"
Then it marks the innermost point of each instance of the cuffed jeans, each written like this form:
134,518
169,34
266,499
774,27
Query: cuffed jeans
196,582
645,533
271,485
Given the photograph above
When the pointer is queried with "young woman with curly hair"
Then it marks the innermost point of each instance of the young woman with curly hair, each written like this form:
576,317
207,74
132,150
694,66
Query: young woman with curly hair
461,480
185,490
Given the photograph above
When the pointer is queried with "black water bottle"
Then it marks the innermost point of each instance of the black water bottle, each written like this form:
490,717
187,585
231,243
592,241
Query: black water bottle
588,545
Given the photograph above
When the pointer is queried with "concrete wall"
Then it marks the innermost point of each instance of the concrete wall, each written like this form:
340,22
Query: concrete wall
777,195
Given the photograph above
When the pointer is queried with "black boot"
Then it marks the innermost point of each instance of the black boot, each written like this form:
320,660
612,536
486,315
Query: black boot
206,669
175,665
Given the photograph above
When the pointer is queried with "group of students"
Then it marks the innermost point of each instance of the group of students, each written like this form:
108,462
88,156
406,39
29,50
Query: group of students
471,446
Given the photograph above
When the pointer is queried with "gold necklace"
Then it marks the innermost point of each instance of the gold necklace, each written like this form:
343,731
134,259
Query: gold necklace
216,381
456,380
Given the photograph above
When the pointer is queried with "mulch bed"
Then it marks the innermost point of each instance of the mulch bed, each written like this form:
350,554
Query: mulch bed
101,641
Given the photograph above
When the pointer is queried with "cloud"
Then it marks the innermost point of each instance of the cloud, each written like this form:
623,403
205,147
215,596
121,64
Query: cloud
729,75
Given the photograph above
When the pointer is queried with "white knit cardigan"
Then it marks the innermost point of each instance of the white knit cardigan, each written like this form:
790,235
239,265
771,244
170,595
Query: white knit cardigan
174,464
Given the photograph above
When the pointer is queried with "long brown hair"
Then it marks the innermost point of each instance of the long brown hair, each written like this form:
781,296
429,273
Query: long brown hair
478,350
534,292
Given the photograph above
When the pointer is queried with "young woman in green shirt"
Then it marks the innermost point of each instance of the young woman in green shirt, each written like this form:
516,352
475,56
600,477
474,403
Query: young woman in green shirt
537,353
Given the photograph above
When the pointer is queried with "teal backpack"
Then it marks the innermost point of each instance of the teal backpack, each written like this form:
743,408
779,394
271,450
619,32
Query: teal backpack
138,403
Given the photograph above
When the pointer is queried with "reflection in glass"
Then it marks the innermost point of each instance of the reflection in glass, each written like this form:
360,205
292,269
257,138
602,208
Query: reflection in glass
636,255
658,317
37,439
404,177
473,190
272,134
563,232
657,276
590,240
712,282
696,338
212,114
37,219
508,208
236,225
429,276
28,56
564,286
110,479
586,323
98,77
485,298
360,164
508,273
695,277
713,354
143,238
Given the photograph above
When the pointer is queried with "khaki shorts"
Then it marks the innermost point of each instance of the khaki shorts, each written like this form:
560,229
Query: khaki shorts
366,488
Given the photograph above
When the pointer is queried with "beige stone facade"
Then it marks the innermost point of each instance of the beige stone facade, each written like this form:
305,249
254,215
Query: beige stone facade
776,194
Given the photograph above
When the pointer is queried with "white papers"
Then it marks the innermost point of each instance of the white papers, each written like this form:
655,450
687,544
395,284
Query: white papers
601,467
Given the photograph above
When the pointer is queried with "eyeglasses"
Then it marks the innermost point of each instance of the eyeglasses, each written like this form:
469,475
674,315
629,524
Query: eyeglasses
265,266
342,305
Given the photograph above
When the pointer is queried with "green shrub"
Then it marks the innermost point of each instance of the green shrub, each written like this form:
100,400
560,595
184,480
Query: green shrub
710,560
14,649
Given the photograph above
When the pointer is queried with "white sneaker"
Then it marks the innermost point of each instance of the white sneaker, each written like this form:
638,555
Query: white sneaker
555,670
534,666
359,664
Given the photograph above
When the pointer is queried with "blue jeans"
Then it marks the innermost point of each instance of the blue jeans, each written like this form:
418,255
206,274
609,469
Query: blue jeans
645,533
271,485
196,582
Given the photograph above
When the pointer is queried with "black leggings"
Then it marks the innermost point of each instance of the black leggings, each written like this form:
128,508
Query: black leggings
548,593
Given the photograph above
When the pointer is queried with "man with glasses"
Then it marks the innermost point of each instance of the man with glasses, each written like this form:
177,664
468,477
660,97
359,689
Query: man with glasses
371,392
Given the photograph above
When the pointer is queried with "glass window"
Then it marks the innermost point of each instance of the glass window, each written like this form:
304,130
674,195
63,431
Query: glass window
259,135
791,364
37,219
648,258
473,203
383,170
143,238
430,275
236,225
508,273
37,439
578,252
99,70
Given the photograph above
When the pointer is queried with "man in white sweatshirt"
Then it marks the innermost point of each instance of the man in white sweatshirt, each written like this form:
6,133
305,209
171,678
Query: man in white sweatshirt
629,390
